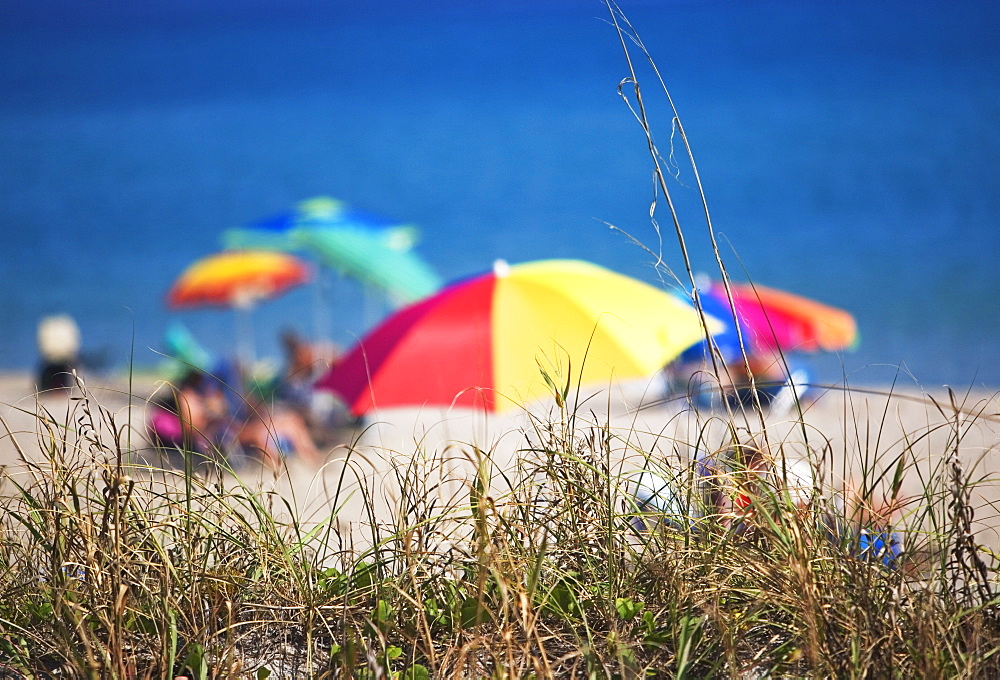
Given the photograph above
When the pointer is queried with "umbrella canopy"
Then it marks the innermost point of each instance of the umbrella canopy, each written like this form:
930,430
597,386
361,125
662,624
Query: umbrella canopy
237,279
480,342
369,258
373,249
772,320
321,212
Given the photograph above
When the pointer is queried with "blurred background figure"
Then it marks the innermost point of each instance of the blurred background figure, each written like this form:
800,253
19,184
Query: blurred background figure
304,363
758,376
272,432
59,349
295,387
730,480
190,418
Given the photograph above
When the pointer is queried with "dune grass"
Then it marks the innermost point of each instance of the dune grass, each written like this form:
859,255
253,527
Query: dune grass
109,569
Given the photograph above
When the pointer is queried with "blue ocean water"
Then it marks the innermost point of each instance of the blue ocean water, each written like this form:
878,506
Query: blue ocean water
849,152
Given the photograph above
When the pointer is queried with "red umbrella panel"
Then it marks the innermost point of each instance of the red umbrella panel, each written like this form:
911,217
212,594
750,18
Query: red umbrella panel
461,331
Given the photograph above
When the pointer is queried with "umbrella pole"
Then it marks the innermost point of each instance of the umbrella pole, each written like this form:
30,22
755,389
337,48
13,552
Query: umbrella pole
321,302
374,305
245,349
368,295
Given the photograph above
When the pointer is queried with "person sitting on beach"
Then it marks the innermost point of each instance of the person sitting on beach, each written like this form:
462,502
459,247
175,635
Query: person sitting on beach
871,521
740,482
741,382
294,388
191,417
757,377
729,481
730,485
301,366
273,432
59,347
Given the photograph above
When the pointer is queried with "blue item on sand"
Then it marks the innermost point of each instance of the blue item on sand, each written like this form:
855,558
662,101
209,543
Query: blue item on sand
884,546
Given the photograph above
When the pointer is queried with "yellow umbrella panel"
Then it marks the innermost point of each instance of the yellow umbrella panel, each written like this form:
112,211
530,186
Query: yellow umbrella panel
605,326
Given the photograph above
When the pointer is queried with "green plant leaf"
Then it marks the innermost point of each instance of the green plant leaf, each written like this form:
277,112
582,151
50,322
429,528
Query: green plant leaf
416,672
332,581
627,608
363,576
197,662
473,613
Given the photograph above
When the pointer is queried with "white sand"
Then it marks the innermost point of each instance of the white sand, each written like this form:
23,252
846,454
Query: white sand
850,431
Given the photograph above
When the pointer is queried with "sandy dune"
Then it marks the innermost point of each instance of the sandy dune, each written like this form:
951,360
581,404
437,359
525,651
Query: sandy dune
850,432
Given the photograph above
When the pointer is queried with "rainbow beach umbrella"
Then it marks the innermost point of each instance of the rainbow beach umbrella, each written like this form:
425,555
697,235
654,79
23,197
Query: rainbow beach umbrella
481,342
239,280
772,320
371,248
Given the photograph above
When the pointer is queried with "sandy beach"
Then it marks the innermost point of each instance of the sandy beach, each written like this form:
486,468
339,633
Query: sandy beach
848,431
